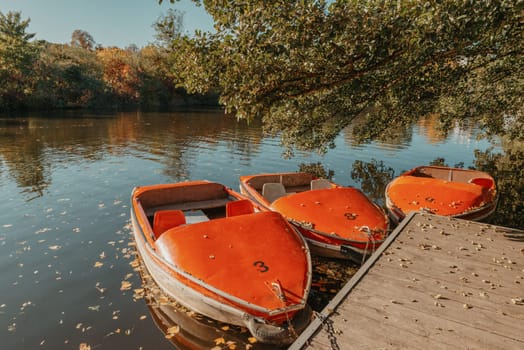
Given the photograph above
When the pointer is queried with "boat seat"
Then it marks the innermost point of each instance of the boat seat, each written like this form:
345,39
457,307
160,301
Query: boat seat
273,190
319,184
167,219
482,182
240,207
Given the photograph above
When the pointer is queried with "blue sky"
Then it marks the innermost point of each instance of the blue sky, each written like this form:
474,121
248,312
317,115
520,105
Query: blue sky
110,22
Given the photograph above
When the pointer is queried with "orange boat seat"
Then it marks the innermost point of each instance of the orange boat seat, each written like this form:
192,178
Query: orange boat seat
483,182
320,184
166,219
240,207
273,190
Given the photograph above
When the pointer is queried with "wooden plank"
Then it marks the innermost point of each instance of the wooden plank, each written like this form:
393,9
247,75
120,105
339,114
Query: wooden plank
455,290
316,323
435,283
495,271
367,326
444,306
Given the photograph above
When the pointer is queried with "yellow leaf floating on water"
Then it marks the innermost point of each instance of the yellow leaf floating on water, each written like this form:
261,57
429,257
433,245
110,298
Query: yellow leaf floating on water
225,328
125,285
84,346
220,341
252,340
94,308
98,264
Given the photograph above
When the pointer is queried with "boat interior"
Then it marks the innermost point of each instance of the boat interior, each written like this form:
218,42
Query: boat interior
455,175
274,186
171,207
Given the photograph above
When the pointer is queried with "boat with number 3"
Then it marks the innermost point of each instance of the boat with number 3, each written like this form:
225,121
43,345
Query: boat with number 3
206,247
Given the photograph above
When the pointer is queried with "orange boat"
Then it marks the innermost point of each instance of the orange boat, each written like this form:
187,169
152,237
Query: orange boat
336,221
461,193
207,248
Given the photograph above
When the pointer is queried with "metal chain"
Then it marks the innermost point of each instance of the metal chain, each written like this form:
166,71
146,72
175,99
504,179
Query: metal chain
328,326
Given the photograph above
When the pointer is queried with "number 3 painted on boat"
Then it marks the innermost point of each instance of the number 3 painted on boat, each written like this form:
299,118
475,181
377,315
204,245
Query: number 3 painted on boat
261,266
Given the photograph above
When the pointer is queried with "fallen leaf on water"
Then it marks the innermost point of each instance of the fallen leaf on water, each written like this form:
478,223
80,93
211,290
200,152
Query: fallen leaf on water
55,247
125,285
98,264
225,328
94,308
252,340
84,346
100,289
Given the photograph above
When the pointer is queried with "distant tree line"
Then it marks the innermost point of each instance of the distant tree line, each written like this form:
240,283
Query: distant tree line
81,74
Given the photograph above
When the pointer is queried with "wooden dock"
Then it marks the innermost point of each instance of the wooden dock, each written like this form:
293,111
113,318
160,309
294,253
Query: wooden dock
436,283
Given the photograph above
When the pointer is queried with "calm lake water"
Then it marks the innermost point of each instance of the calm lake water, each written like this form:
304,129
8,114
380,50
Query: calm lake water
65,243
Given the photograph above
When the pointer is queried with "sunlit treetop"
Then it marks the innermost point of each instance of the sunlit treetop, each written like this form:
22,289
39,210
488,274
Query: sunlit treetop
310,68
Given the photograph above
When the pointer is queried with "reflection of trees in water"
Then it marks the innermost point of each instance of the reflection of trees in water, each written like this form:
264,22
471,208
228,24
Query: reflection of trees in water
31,146
176,137
316,169
373,178
176,166
25,161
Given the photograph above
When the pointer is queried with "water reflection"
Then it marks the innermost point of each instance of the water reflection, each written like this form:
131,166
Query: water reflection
373,178
66,179
31,146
